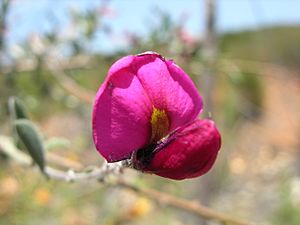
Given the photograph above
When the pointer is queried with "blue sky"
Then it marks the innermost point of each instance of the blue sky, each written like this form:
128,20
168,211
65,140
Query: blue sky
32,16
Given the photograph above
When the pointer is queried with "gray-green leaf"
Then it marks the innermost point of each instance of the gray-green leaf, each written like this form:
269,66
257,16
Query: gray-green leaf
32,140
17,108
54,143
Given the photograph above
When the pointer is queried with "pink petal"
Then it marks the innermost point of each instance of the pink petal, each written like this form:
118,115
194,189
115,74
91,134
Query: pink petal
168,88
189,152
121,114
124,103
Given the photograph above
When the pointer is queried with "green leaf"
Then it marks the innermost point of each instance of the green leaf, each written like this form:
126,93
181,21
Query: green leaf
17,108
32,140
55,143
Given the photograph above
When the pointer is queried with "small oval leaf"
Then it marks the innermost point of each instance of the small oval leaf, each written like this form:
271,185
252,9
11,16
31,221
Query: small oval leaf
32,140
17,108
55,143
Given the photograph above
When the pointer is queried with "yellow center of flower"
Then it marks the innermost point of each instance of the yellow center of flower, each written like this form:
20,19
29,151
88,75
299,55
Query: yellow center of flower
159,123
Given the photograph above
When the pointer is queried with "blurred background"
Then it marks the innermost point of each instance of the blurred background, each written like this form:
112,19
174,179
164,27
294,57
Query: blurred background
243,55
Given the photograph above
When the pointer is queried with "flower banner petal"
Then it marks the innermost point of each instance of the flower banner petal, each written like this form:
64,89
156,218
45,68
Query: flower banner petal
168,88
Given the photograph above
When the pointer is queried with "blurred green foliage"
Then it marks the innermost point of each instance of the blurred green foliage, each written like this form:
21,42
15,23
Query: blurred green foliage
240,96
288,211
249,91
275,44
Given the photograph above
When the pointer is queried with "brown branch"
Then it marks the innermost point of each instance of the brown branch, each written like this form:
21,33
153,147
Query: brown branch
254,65
62,161
77,62
4,10
189,206
7,147
210,55
70,85
57,69
85,62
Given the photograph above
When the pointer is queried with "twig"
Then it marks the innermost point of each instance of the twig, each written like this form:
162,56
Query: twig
72,87
8,148
210,56
62,161
77,62
254,65
69,84
115,168
57,71
189,206
96,173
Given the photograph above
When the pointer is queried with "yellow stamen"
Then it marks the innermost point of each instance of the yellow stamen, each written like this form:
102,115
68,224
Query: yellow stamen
160,124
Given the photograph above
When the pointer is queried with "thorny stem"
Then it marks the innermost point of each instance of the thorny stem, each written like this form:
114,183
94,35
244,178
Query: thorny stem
100,173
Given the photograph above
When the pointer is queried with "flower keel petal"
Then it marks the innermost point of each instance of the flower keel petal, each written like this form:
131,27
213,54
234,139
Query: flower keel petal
189,152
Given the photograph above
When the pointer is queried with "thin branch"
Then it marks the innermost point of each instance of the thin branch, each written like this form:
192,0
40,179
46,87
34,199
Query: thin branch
101,173
7,147
189,206
58,71
210,55
70,85
85,62
77,62
63,161
254,65
96,173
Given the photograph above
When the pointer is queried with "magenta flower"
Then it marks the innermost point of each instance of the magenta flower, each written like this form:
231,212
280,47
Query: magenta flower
146,110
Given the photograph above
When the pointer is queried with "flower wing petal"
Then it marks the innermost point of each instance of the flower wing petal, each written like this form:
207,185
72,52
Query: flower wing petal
121,114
